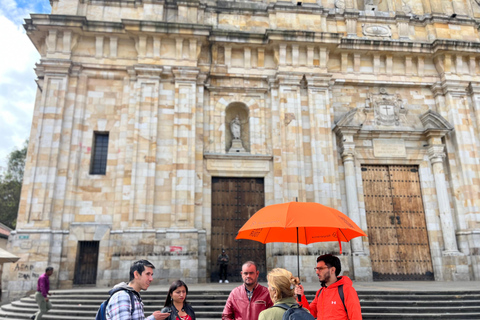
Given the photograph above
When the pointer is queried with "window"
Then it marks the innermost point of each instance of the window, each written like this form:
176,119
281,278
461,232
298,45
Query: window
98,164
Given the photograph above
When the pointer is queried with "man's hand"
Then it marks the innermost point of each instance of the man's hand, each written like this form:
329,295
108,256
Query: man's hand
160,316
299,289
46,299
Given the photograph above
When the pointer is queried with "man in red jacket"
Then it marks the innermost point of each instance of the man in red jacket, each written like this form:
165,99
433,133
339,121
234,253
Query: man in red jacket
248,300
328,303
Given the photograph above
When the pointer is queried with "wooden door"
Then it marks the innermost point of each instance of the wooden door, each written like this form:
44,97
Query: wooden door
87,261
397,232
234,201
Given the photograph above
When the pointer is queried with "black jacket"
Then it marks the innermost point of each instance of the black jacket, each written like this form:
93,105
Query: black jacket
188,310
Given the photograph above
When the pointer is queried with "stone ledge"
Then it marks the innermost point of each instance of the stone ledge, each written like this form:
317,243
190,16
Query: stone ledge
230,156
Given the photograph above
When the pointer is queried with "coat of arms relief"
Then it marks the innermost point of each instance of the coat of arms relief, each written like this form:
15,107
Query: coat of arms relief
387,108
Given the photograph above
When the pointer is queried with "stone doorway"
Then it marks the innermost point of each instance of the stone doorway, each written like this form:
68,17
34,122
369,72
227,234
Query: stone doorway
397,233
86,263
234,201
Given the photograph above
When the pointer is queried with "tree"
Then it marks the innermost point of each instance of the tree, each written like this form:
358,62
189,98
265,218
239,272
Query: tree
11,186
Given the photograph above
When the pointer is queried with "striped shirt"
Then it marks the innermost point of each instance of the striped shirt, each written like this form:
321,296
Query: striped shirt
119,307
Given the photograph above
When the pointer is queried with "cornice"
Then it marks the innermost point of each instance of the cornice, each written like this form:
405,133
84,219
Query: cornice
234,156
137,26
237,37
303,36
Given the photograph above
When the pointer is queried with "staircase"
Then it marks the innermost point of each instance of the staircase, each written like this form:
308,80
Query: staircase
83,304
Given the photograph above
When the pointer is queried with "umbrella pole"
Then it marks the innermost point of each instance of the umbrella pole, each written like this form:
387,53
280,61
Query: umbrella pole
299,297
298,257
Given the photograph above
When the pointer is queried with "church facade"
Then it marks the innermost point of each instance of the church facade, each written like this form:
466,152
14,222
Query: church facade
160,127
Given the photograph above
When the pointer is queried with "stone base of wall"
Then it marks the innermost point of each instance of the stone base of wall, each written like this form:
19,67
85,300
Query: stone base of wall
175,254
456,267
362,268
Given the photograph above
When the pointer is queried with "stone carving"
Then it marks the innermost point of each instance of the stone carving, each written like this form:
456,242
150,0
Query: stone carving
405,7
374,30
340,4
386,107
289,117
235,127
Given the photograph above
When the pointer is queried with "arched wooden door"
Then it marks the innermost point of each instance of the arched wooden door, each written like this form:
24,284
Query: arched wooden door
234,201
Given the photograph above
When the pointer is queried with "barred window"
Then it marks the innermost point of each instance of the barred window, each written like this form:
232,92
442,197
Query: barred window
98,163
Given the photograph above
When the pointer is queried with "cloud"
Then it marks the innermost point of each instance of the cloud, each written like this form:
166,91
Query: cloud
17,77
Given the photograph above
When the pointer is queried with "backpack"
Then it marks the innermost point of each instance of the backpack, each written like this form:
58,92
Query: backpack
295,312
340,293
102,311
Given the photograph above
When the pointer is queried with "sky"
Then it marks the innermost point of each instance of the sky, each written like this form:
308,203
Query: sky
17,77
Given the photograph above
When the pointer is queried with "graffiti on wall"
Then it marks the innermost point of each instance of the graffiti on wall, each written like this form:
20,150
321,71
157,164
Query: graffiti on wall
25,271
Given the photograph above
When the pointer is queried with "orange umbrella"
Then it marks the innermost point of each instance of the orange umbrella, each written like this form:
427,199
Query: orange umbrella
299,222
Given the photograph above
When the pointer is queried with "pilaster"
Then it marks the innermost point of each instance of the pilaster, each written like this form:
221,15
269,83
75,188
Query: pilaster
323,157
292,151
184,135
145,98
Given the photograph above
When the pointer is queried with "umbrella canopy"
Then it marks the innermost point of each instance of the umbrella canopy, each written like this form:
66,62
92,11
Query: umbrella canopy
6,256
299,222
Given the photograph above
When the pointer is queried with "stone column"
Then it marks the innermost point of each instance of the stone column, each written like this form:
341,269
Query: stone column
454,105
291,144
184,133
348,158
436,154
146,99
474,92
323,154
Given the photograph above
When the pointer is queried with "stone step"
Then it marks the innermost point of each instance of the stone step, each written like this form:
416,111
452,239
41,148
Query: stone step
422,309
414,316
83,305
63,303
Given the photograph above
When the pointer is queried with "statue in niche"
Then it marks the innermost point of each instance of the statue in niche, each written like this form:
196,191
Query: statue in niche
235,127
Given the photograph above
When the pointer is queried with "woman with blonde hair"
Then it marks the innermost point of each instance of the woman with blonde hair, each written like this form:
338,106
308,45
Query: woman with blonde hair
281,286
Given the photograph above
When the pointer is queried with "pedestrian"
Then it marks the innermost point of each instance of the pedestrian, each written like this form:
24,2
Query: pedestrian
222,260
41,296
120,306
248,300
281,286
177,301
328,302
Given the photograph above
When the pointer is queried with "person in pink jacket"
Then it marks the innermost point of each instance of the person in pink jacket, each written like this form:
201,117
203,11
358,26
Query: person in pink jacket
328,303
248,300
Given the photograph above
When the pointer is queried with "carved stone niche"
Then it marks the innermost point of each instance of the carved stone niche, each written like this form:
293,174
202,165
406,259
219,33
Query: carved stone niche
240,111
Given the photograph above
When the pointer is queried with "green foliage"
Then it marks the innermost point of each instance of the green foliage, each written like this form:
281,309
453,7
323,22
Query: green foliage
11,186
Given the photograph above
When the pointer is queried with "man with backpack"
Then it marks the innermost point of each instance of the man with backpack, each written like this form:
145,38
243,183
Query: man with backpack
125,302
337,299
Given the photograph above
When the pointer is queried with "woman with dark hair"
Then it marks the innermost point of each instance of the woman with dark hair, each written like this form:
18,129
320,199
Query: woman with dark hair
177,301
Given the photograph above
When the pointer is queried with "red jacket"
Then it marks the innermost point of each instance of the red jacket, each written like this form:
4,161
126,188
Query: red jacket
239,308
328,305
